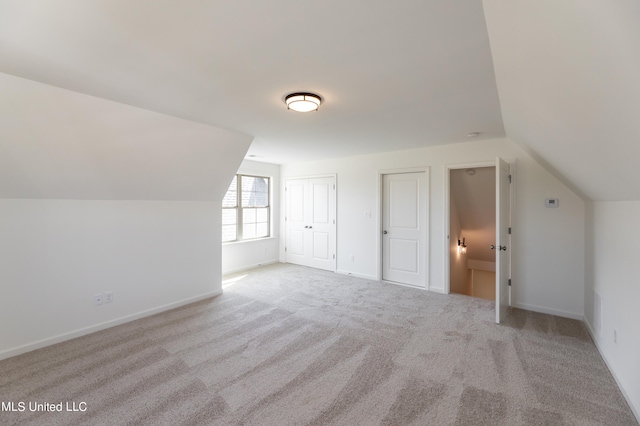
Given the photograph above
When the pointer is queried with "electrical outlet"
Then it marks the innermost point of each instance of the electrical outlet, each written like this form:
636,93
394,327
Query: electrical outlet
108,296
97,299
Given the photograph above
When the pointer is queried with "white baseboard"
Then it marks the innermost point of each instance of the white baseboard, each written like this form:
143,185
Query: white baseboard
634,410
542,310
415,287
357,275
247,267
8,353
374,278
439,290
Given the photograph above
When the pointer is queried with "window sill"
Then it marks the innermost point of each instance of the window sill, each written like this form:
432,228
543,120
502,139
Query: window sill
253,240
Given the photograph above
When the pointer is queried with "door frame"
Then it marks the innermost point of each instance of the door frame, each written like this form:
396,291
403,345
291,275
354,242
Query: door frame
501,281
427,221
447,218
283,243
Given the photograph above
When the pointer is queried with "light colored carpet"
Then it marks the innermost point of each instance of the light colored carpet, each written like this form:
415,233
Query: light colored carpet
288,345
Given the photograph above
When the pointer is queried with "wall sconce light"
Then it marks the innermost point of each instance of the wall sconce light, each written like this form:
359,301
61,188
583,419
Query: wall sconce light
462,247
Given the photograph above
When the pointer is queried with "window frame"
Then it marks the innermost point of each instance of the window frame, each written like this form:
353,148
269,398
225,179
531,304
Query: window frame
239,209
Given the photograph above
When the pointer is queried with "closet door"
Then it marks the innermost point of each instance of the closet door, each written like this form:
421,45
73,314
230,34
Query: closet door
296,221
321,229
310,222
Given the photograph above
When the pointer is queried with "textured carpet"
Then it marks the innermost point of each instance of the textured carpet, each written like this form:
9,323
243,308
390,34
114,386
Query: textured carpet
288,345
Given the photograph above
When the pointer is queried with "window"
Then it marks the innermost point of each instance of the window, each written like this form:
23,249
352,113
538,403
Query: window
245,209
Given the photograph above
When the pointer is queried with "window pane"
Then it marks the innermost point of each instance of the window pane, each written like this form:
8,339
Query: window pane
262,215
228,233
229,216
249,231
231,197
255,223
262,230
248,198
255,191
248,216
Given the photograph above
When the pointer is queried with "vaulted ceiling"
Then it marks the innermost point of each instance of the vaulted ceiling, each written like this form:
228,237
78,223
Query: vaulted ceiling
567,74
392,75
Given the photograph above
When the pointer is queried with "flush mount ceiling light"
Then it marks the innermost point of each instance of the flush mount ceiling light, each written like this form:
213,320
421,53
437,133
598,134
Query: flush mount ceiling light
302,102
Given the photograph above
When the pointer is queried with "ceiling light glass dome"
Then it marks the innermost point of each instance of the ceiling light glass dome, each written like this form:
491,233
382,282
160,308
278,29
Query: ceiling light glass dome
303,102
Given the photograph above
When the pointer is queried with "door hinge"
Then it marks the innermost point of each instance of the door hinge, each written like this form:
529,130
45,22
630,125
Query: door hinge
334,221
509,282
285,249
509,231
509,178
334,256
334,186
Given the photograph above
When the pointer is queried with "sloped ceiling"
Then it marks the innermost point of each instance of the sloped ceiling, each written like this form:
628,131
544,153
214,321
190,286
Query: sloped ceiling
568,75
392,75
55,143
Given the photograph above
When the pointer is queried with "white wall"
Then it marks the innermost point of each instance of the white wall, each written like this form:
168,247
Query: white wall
548,254
99,196
613,232
237,256
56,254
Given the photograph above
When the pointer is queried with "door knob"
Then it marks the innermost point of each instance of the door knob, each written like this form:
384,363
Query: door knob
384,232
494,247
311,227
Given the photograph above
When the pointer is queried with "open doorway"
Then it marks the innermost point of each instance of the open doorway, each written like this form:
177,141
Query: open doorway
472,230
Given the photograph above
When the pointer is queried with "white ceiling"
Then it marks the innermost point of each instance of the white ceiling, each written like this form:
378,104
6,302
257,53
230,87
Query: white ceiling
568,75
393,75
55,143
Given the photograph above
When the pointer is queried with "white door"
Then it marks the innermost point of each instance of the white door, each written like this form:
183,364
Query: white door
310,222
321,224
404,228
296,220
502,249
